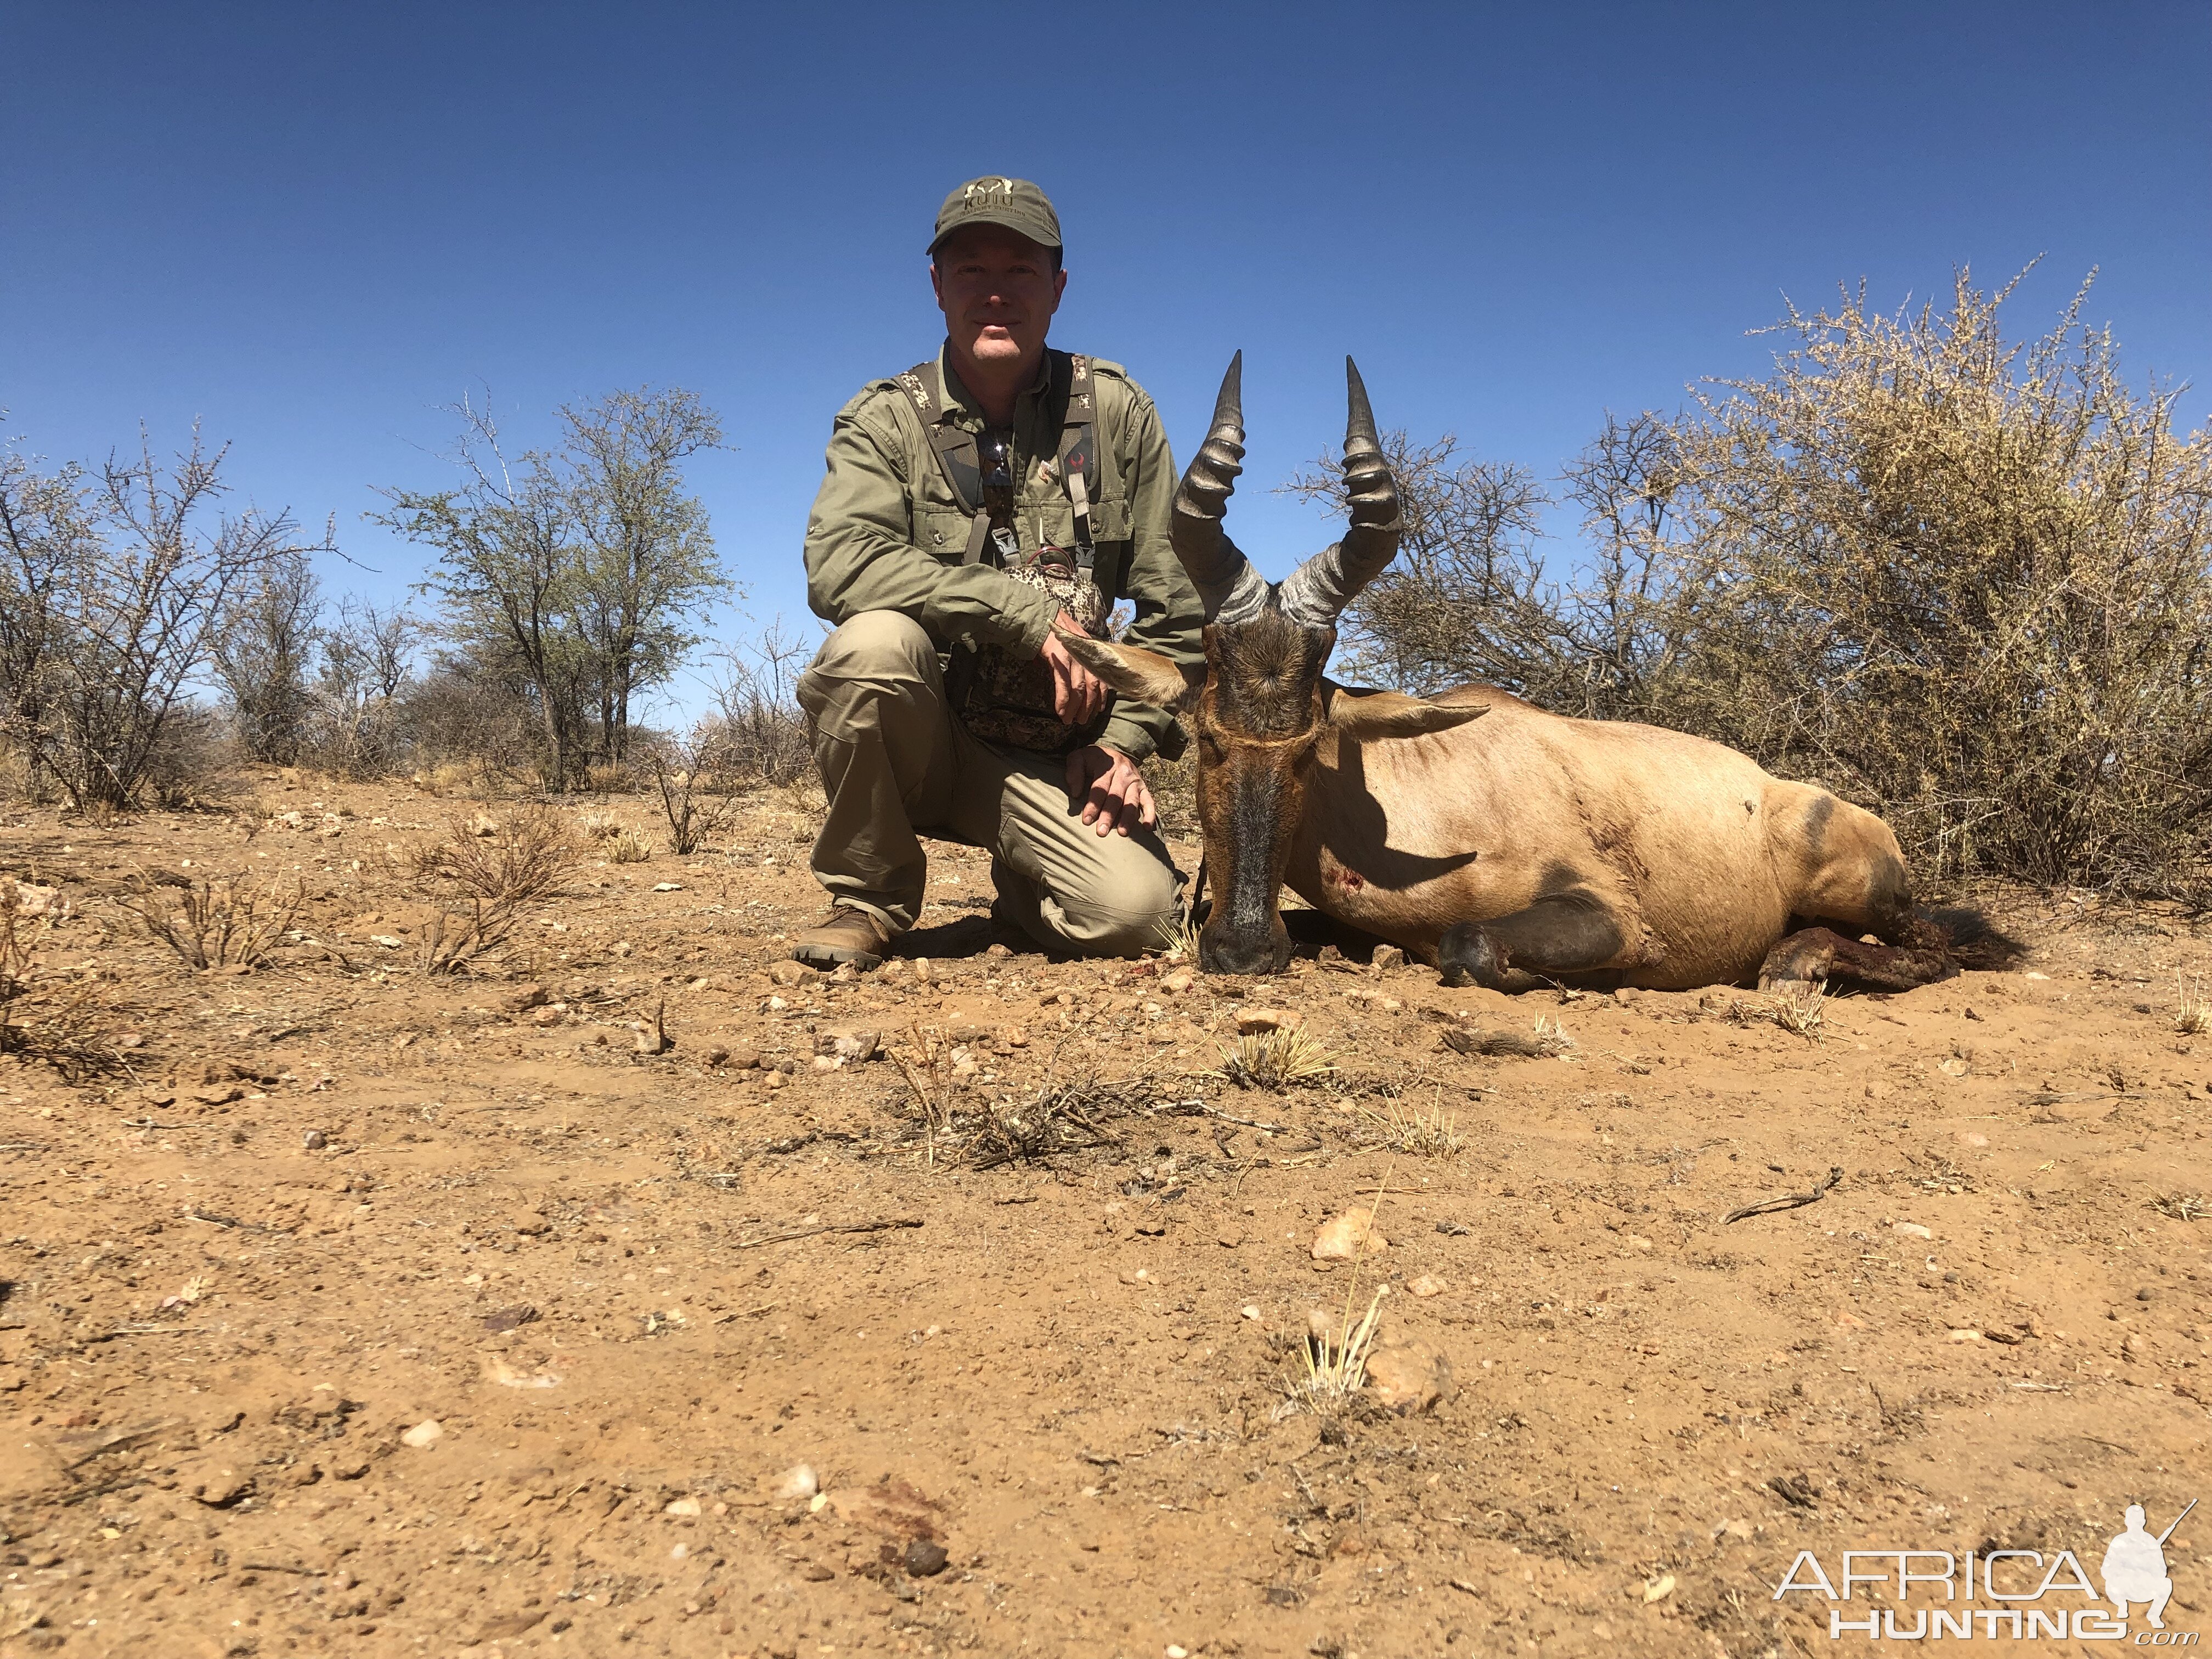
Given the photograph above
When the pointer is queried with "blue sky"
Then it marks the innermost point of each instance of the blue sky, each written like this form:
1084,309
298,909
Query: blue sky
308,226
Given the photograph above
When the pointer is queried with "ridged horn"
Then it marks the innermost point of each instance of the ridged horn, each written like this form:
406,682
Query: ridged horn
1317,592
1228,587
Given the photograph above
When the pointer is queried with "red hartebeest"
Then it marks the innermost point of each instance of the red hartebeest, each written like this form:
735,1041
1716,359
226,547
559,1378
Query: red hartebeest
1508,846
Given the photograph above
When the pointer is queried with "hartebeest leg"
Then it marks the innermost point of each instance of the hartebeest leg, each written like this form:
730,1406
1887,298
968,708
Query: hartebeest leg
1567,934
1821,953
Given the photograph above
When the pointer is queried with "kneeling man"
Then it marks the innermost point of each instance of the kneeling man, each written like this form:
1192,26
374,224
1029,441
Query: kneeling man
972,503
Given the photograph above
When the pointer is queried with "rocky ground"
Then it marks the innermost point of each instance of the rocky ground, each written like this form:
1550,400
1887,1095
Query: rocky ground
630,1294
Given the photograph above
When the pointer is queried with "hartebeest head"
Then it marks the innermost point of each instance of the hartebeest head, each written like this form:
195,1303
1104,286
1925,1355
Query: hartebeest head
1261,703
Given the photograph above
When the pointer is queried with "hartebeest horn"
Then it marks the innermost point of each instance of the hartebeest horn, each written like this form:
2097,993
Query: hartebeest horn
1317,591
1228,587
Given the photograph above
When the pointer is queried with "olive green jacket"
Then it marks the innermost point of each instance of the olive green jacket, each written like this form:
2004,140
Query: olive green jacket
887,533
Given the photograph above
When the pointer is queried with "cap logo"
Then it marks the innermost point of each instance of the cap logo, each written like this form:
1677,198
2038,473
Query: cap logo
980,193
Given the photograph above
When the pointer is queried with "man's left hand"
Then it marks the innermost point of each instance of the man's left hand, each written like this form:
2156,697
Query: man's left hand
1111,790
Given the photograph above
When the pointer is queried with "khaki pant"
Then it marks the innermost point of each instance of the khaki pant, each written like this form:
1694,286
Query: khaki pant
894,762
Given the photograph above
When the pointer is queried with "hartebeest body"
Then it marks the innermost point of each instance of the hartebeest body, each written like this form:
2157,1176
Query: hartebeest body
1508,846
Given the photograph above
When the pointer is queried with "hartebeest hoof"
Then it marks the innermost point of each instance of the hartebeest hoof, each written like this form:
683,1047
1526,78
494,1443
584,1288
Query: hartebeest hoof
1468,956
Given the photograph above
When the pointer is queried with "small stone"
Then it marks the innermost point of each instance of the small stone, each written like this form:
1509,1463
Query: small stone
845,973
854,1047
1178,982
524,998
1955,1066
825,1062
1976,1336
685,1508
1252,1021
1659,1588
350,1468
530,1223
1175,1652
776,1080
1250,1310
1428,1285
1228,1238
716,1055
786,973
923,971
1351,1234
1011,1036
668,887
1911,1230
214,1485
621,947
314,1140
481,824
506,1626
1973,1138
547,1017
925,1560
428,1433
998,951
1387,957
1407,1375
799,1480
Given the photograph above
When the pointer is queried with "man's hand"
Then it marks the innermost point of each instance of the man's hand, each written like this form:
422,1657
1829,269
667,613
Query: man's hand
1111,790
1078,694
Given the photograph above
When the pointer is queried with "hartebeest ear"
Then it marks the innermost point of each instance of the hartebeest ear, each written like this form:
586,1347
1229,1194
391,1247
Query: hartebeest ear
1371,716
1139,675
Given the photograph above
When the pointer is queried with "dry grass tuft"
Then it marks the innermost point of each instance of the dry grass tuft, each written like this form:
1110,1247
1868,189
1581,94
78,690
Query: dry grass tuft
1548,1043
627,847
1801,1012
59,1020
1404,1127
2182,1206
484,883
983,1131
217,921
1336,1360
2193,1015
1062,1116
1179,943
1277,1060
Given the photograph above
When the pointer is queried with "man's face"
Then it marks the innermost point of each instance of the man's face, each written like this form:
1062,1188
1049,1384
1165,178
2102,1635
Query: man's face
998,291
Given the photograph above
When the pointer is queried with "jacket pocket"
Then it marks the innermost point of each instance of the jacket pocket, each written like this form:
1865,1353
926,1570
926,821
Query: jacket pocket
1109,521
941,534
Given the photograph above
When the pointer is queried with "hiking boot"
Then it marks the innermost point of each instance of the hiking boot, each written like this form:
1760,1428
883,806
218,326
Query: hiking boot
850,934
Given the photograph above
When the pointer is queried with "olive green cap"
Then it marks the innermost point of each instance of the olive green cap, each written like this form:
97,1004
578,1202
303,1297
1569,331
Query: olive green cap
1017,203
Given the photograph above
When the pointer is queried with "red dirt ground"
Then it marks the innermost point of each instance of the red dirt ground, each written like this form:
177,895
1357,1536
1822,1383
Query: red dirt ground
1075,1377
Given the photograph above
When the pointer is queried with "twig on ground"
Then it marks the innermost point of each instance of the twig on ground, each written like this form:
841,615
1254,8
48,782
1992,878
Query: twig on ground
830,1227
1788,1201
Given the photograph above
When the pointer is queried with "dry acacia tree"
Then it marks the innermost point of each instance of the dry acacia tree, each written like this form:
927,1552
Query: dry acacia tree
112,589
